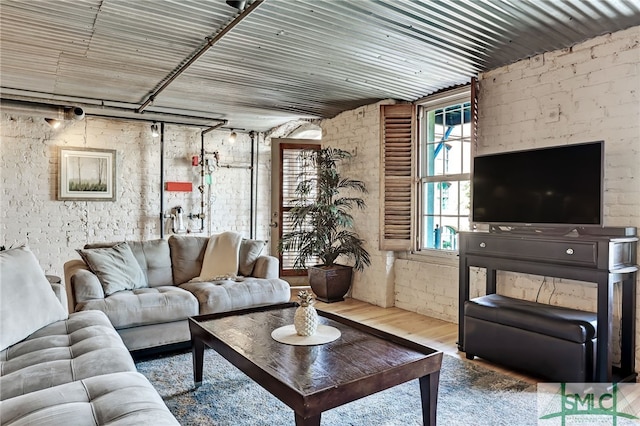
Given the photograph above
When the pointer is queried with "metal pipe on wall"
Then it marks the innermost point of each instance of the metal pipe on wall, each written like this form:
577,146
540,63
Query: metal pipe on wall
202,172
29,106
162,180
252,210
256,180
25,108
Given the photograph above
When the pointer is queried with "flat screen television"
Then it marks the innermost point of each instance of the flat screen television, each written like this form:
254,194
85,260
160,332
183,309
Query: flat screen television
555,187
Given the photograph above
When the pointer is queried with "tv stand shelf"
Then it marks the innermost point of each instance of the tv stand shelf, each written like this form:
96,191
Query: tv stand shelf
588,258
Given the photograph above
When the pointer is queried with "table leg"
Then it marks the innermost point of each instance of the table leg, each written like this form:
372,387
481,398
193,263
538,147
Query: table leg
463,296
197,350
605,327
429,396
311,421
627,325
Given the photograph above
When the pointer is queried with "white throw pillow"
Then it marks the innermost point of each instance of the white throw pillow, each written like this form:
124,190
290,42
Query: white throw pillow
27,302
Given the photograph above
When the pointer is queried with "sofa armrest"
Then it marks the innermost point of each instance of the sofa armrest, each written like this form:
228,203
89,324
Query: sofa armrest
61,294
266,267
81,283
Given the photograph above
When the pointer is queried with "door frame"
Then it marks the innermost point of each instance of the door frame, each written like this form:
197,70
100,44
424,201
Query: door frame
276,198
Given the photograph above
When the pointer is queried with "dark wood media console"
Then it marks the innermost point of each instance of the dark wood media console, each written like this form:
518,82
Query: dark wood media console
601,259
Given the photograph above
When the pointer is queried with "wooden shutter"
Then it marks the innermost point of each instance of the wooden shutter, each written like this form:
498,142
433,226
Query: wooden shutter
397,182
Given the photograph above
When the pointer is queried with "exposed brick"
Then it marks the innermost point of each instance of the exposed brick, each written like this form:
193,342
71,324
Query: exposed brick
31,214
596,98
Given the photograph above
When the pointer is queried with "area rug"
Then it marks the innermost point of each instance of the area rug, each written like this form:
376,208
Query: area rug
469,395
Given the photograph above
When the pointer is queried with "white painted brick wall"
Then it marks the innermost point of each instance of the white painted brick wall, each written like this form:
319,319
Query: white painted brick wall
586,93
30,213
595,88
358,131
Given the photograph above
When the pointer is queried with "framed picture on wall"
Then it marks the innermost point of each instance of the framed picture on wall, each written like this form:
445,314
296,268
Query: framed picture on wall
87,174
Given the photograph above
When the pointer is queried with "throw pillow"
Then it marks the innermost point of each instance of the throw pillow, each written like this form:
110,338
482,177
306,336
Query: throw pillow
249,252
27,302
187,253
116,267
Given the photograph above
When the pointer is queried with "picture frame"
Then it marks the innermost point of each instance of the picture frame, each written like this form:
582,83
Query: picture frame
86,174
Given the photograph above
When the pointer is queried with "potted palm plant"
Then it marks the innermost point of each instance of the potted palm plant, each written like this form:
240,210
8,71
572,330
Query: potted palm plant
321,225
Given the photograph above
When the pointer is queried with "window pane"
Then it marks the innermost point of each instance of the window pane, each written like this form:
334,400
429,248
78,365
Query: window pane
449,233
465,198
445,172
289,256
447,140
432,198
466,156
449,198
441,232
296,167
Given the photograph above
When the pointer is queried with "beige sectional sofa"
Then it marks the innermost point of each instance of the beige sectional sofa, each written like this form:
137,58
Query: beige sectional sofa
61,369
147,291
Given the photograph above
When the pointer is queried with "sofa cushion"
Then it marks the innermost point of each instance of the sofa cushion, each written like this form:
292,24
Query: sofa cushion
125,398
228,295
154,258
82,346
144,306
116,267
249,252
187,253
27,303
86,286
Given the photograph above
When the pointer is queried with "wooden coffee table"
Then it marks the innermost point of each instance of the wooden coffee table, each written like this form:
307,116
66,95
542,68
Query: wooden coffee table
313,379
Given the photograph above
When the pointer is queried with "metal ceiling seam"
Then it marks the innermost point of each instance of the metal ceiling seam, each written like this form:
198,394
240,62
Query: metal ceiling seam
371,31
245,67
428,35
286,51
332,73
366,46
367,27
432,25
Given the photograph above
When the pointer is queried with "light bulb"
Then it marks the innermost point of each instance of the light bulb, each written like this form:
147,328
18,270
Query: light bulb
53,122
232,137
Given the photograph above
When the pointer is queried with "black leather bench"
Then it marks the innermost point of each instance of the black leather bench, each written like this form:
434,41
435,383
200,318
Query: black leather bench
551,342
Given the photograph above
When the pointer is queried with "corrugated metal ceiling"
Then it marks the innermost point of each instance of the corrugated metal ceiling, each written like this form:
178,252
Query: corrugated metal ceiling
288,59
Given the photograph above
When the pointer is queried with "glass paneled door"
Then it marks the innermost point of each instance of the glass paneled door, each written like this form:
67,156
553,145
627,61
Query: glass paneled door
289,167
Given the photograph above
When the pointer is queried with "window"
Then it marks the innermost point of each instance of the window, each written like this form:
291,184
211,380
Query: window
445,168
295,167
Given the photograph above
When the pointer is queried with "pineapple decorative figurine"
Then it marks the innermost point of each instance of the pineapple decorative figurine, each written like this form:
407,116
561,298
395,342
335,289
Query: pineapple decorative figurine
305,320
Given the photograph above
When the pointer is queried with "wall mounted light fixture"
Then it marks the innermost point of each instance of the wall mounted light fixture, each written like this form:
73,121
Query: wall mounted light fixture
238,4
154,130
73,113
53,122
233,136
64,113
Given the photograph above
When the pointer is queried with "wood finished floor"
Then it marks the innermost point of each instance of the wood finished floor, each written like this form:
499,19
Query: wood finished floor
432,332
